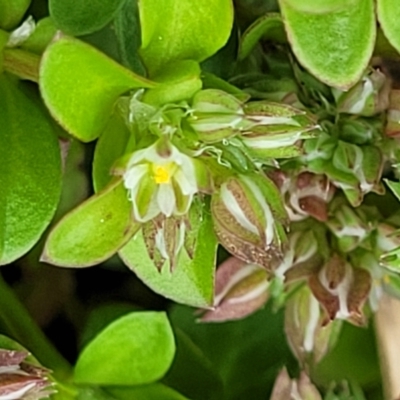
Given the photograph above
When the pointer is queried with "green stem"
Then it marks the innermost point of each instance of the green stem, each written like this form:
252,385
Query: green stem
22,328
22,63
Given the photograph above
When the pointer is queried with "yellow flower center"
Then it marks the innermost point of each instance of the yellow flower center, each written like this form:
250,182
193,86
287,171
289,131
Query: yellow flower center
163,173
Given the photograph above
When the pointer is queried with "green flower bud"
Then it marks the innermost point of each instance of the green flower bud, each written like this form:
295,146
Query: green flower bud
240,290
368,97
309,338
350,225
276,130
215,115
248,219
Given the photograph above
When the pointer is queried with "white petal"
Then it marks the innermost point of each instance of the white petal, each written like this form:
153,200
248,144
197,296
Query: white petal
18,393
166,199
187,183
133,176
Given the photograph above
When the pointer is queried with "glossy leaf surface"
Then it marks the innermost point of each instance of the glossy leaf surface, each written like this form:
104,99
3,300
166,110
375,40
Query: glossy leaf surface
84,16
335,46
153,391
30,171
184,30
92,232
141,346
192,280
80,86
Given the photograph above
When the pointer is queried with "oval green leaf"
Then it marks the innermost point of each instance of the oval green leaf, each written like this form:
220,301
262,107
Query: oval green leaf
92,232
335,47
153,391
30,171
11,12
84,16
192,281
136,349
320,6
183,30
388,16
80,85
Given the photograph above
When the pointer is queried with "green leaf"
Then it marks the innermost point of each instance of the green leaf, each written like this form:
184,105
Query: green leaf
192,280
110,146
30,171
394,187
80,85
269,25
127,31
84,16
183,30
320,6
11,12
92,232
335,46
3,40
136,349
153,391
388,16
178,81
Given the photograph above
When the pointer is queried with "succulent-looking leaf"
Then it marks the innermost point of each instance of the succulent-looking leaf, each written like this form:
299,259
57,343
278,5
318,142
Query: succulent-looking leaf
152,391
184,30
335,46
388,16
178,81
83,17
30,171
11,12
81,99
92,232
141,346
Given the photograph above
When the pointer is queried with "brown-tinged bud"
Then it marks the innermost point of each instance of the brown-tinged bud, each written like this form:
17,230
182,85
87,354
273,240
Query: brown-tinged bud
248,217
286,388
20,380
341,289
240,290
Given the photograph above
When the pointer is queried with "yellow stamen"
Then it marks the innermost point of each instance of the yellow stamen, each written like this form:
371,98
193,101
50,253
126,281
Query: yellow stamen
163,173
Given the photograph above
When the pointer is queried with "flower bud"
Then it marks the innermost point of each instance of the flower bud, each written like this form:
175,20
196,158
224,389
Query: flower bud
240,290
308,337
349,225
215,115
291,389
248,218
393,115
306,194
21,380
276,130
368,97
341,289
356,170
388,246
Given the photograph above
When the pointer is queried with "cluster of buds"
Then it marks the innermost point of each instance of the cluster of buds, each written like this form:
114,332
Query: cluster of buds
20,380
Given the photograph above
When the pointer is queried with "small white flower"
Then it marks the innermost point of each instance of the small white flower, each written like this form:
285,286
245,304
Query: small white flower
160,179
